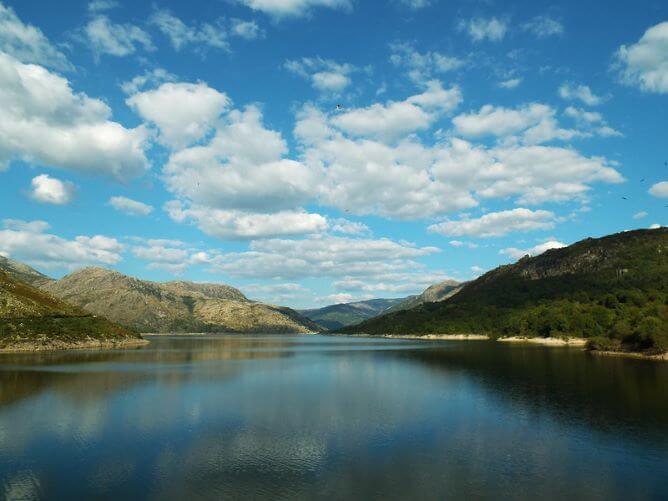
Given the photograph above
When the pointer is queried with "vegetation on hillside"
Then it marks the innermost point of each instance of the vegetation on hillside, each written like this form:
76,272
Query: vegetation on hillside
340,315
31,317
612,290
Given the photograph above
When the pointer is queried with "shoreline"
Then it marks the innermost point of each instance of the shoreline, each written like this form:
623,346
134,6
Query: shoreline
630,354
427,337
545,341
57,345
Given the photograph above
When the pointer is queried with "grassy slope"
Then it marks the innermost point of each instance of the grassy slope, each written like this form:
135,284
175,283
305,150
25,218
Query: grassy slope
31,316
613,290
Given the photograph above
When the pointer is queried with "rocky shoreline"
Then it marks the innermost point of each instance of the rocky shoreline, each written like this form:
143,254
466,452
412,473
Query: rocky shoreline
55,345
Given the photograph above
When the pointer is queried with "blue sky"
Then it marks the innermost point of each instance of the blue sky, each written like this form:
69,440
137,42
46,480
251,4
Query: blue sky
316,151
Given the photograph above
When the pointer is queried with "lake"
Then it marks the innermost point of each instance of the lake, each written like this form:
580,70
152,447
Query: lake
323,417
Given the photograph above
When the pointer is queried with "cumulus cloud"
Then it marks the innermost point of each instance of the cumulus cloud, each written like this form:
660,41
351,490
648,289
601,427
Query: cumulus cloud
236,224
480,29
571,91
422,66
322,256
181,35
591,121
106,37
348,227
536,250
325,75
416,4
543,26
659,190
396,118
293,8
497,224
27,43
408,179
49,190
30,242
43,121
183,112
129,206
644,64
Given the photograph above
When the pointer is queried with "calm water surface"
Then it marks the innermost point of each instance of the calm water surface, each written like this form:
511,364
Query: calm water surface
315,417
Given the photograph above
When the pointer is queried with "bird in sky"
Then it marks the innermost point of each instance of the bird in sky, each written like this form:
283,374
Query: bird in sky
624,198
339,107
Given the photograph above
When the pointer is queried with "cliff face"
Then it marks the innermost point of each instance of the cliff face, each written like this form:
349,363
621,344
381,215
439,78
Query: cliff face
173,306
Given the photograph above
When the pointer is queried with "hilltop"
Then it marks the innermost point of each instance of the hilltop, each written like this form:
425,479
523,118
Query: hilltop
611,290
23,272
31,319
432,294
173,306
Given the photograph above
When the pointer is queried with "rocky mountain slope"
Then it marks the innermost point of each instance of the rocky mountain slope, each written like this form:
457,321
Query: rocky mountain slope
173,306
23,272
432,294
31,319
613,290
340,315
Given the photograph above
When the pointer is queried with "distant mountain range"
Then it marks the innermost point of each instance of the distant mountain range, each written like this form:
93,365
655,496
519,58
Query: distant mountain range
612,290
339,315
344,314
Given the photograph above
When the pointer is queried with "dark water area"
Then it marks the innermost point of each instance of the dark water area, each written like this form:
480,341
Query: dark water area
317,417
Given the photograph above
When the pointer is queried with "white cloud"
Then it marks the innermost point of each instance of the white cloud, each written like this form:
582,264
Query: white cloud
293,8
659,190
408,179
348,227
150,78
416,4
536,250
655,226
102,5
129,206
544,26
114,39
645,63
27,43
640,215
397,118
322,256
422,66
511,83
248,30
325,75
532,123
49,190
459,243
479,29
29,242
183,112
42,121
497,224
591,122
571,91
181,35
235,224
395,283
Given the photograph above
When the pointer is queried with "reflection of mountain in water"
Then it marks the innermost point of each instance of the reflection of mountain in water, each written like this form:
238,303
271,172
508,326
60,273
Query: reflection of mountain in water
93,374
607,394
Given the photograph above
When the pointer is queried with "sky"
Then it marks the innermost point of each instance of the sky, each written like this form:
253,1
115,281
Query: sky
312,152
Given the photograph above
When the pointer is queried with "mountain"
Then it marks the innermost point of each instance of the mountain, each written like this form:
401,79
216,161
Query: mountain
23,272
173,306
432,294
340,315
31,319
612,290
